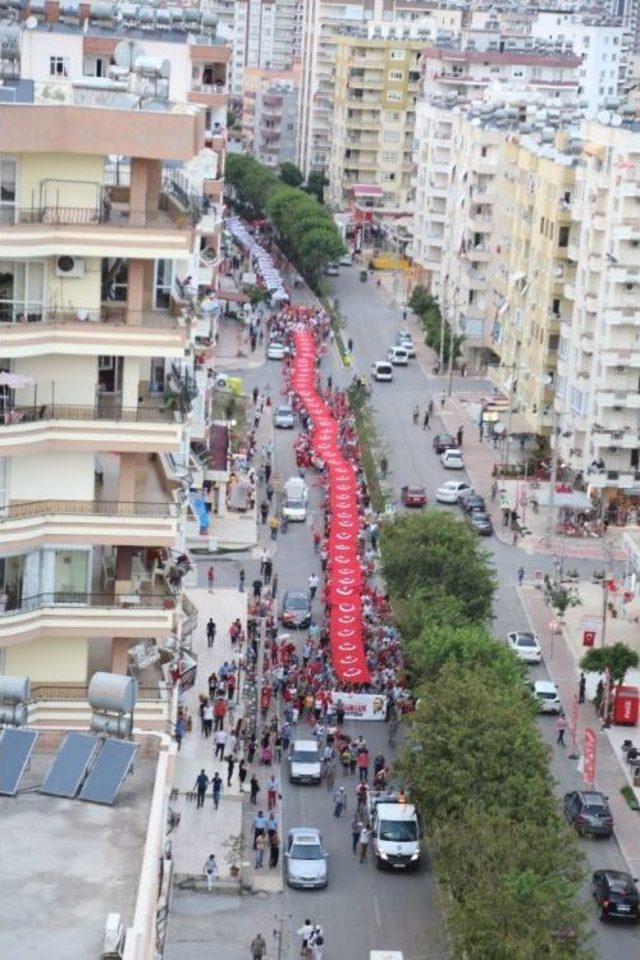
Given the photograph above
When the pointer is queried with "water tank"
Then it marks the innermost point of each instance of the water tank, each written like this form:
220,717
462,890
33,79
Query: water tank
15,689
113,691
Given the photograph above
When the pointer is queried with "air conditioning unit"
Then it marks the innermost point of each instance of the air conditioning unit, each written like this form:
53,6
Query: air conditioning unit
71,267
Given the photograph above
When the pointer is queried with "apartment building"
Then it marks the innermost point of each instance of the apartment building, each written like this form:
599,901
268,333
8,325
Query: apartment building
110,213
264,34
598,385
269,128
376,83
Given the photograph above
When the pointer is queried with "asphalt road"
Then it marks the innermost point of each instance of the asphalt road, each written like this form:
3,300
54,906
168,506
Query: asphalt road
362,908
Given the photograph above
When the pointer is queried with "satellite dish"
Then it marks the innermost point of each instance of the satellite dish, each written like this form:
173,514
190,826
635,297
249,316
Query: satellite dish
31,23
616,120
604,117
127,52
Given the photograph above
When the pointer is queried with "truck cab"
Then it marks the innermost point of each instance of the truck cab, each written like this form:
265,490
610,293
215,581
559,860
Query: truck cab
396,834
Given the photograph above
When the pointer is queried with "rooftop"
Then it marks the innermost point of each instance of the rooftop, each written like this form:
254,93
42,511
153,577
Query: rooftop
72,863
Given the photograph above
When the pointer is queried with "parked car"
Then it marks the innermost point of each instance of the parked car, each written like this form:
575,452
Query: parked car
332,270
346,260
382,370
276,350
616,894
452,460
588,811
525,645
296,609
414,496
404,339
305,859
481,522
472,501
398,356
451,491
442,442
305,764
545,693
284,418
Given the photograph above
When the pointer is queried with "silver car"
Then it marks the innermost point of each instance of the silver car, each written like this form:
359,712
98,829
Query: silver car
305,859
284,418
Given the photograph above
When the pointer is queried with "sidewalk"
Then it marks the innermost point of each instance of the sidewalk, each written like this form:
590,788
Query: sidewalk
562,653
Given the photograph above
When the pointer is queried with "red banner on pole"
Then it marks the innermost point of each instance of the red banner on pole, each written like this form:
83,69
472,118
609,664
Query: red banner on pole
588,638
573,726
590,750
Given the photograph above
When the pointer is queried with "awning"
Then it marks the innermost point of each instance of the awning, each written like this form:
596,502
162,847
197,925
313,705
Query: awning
573,500
367,190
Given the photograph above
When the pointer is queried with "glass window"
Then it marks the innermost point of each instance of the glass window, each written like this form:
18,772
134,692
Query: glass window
21,290
7,190
164,273
71,574
58,66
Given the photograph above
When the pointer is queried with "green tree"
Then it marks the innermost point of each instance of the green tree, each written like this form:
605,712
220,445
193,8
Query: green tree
421,300
466,644
434,549
291,175
618,658
316,182
559,598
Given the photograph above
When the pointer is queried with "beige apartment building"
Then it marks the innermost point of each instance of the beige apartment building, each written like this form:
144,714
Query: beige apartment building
110,199
376,82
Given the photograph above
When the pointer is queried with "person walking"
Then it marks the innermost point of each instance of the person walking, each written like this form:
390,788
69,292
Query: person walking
219,713
274,850
211,578
520,576
339,801
460,435
305,933
268,570
561,726
254,789
210,871
264,512
241,579
363,765
200,786
178,731
261,843
425,422
258,947
256,586
216,790
211,632
416,414
207,719
313,582
443,400
220,741
363,844
582,686
274,526
259,826
356,829
242,774
273,792
231,765
430,407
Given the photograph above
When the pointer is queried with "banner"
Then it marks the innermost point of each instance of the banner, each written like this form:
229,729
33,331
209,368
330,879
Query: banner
344,572
589,749
362,706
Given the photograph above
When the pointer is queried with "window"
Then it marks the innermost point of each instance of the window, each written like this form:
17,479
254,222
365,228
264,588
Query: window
394,96
389,157
58,66
391,136
7,190
21,290
388,176
164,273
563,237
397,54
396,75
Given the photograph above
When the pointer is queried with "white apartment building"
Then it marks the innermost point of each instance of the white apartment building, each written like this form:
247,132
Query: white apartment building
273,132
262,33
109,225
597,397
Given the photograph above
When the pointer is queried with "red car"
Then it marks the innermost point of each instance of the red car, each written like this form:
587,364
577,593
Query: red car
414,496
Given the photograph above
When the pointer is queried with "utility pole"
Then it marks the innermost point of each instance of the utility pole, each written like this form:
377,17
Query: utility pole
441,336
282,935
554,477
452,339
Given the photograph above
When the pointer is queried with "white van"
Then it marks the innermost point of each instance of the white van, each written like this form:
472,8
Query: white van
382,370
396,835
296,494
305,765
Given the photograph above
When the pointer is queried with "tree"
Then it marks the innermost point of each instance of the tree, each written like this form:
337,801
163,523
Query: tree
618,658
559,598
429,550
421,300
316,182
291,175
466,644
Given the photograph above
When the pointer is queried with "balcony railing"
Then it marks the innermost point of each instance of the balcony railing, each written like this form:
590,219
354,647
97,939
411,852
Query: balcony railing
105,215
154,601
104,508
43,692
114,315
98,411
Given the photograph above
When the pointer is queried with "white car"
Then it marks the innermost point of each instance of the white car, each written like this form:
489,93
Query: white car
276,350
332,270
284,418
452,460
381,370
545,693
451,491
305,859
345,261
525,645
398,356
404,339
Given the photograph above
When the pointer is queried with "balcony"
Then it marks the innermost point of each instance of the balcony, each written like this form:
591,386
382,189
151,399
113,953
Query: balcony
66,705
622,316
609,437
84,615
108,330
622,399
104,426
208,94
480,224
26,526
106,230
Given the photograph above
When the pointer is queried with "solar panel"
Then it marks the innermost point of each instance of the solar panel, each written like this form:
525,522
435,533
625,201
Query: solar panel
16,747
108,772
70,765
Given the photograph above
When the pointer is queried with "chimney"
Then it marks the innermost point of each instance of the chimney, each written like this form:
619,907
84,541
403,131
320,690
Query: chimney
84,13
51,11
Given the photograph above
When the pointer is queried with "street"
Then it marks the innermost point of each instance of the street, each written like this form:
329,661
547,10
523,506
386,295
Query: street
362,908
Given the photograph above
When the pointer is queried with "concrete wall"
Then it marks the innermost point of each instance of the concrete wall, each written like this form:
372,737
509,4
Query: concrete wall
74,179
59,379
63,475
65,293
48,661
37,47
